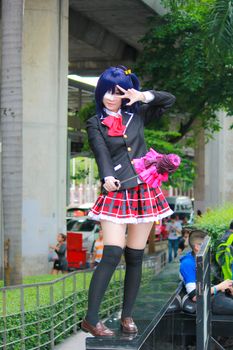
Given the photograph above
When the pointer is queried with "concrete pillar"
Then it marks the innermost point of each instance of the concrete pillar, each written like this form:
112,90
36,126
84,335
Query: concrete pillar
1,209
199,183
219,165
45,69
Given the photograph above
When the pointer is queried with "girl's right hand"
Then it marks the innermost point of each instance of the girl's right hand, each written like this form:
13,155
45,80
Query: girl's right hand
111,183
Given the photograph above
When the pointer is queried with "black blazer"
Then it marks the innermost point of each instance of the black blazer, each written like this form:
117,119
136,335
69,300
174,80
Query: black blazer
114,155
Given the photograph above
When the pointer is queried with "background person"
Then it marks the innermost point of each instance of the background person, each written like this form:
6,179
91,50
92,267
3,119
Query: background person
221,303
61,263
116,136
224,253
98,249
184,240
164,232
174,229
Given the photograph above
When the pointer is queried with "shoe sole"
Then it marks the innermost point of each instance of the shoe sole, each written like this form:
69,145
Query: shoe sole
128,332
84,329
87,331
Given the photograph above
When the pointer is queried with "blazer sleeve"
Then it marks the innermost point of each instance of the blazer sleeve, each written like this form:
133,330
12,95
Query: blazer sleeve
154,109
100,149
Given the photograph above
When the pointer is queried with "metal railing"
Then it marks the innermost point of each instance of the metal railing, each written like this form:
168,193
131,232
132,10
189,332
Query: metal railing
40,315
203,317
204,338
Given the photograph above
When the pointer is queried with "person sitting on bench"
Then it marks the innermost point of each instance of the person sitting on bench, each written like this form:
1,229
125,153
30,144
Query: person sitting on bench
222,293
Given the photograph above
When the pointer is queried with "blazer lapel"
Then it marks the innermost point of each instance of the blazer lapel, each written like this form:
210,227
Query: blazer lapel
127,118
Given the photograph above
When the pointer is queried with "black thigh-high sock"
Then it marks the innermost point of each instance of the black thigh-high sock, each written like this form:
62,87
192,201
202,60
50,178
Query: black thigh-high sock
133,260
100,280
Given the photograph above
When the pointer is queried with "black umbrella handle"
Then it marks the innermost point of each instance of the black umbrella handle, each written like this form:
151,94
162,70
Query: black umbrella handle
104,191
130,178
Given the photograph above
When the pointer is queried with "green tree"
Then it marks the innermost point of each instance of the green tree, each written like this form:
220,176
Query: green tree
87,111
174,58
218,26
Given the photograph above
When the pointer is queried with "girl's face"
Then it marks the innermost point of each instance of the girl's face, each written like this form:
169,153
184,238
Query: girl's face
59,238
112,101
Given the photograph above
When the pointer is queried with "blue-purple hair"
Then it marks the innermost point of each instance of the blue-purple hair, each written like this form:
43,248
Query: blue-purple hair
107,82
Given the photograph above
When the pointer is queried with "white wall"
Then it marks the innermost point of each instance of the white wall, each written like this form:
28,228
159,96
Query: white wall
219,165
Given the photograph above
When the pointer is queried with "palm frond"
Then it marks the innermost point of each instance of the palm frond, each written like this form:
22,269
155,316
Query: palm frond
220,25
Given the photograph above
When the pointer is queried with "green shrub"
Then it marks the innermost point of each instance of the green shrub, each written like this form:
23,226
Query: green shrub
216,222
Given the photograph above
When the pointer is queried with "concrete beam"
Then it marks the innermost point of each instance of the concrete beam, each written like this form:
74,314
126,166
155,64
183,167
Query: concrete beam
81,86
156,6
95,68
95,35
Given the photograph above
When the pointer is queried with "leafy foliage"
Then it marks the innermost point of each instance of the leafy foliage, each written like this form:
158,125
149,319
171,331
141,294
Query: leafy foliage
80,175
82,169
216,221
87,111
185,174
219,29
174,58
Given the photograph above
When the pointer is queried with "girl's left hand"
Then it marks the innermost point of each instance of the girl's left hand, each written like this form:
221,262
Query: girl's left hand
132,95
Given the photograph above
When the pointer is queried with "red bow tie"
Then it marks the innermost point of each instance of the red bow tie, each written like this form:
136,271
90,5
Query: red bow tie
115,126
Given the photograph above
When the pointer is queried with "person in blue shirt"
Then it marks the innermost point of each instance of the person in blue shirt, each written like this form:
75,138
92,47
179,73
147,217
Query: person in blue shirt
188,270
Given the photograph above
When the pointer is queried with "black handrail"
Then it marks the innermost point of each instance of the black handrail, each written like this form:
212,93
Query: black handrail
203,318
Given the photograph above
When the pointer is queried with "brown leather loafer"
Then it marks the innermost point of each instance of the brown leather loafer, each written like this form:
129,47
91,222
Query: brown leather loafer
100,330
128,325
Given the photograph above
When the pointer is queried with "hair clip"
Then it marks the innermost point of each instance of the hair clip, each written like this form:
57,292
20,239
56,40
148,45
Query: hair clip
128,71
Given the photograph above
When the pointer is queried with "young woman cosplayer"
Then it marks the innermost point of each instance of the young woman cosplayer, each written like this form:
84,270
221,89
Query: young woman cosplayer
116,136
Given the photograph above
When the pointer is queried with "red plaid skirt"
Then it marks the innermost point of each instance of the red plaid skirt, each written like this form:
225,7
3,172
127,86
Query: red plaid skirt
131,206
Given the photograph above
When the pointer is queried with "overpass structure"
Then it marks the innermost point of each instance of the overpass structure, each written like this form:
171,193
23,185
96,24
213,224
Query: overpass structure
105,33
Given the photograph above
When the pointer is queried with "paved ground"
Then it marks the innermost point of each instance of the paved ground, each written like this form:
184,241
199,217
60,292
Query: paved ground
74,342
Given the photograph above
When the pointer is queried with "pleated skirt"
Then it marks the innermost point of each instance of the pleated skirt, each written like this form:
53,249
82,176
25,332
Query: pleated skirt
131,206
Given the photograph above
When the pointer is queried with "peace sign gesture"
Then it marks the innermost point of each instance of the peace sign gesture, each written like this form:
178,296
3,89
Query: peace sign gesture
132,95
